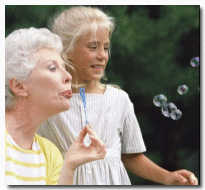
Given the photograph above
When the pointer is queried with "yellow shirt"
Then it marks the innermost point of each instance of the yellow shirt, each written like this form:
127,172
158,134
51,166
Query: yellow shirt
39,166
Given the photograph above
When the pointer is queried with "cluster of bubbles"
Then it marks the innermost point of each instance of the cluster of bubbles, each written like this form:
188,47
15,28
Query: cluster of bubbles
168,109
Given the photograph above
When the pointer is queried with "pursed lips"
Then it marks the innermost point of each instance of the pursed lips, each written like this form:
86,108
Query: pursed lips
67,93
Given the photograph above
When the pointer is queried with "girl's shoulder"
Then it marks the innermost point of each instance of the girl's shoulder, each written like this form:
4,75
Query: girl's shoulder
117,92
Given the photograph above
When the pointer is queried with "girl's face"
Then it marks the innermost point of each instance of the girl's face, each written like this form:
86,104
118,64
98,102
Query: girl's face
49,85
90,55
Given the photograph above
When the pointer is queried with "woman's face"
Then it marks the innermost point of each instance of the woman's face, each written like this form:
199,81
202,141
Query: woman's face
49,84
90,55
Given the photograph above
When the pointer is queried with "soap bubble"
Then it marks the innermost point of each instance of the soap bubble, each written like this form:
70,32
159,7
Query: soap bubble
194,62
183,89
168,108
175,115
160,100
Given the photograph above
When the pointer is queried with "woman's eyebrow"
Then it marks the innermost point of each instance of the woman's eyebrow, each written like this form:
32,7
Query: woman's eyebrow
55,62
52,61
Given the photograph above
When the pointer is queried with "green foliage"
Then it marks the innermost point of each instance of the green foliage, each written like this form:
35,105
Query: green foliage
144,51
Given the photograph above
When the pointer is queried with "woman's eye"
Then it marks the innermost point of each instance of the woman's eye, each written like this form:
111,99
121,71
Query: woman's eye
106,48
52,68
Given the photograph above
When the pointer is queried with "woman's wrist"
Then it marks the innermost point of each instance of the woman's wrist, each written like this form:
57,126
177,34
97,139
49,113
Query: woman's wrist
67,173
68,164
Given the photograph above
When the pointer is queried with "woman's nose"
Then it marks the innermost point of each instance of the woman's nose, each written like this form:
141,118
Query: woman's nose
67,77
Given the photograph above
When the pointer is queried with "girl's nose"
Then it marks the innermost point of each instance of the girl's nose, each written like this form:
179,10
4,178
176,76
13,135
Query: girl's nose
102,54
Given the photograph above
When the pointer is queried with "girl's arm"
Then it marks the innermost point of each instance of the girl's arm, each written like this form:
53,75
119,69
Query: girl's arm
142,166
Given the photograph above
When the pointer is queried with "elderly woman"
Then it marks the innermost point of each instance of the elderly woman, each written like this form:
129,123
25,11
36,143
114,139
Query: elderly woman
38,87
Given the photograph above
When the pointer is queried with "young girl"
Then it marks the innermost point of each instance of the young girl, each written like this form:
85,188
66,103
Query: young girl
86,34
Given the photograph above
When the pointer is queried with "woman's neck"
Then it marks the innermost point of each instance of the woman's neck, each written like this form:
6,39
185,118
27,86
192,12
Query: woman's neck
22,124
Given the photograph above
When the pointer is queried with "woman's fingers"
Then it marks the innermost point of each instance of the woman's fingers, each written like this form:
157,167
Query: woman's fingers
96,141
100,147
82,135
90,130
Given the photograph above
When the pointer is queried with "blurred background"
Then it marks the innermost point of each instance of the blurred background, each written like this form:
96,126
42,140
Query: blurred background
150,54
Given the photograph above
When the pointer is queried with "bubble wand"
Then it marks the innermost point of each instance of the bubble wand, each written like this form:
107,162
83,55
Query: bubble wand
82,94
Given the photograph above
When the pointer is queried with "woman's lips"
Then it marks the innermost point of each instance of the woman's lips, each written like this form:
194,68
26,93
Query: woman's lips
67,94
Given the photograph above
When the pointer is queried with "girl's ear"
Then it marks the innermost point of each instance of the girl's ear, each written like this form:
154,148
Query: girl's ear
69,56
18,88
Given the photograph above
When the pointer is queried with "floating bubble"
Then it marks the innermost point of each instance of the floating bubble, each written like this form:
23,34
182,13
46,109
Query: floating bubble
176,115
194,62
183,89
160,100
168,108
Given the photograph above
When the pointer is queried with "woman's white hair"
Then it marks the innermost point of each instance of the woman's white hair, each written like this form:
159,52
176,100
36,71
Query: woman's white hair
20,46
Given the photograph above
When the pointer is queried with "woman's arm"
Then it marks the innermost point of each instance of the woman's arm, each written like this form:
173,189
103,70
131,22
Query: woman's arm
66,175
142,166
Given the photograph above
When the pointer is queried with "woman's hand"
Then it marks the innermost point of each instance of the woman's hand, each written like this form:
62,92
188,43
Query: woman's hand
79,154
181,177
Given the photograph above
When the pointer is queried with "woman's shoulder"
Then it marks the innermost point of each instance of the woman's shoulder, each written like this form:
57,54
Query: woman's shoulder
47,146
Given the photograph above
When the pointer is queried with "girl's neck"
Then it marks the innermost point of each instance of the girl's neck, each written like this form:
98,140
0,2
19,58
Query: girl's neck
93,87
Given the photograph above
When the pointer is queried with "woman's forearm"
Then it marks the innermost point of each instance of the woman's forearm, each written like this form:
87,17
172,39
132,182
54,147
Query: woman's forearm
142,166
66,175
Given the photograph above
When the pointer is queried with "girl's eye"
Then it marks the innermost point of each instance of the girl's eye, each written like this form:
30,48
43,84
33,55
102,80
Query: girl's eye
106,48
93,47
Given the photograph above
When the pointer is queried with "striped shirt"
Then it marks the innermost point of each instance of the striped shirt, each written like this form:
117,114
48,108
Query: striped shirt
112,116
30,167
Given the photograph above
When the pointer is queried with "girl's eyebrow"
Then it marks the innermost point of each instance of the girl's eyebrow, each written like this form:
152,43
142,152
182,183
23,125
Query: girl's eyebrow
97,43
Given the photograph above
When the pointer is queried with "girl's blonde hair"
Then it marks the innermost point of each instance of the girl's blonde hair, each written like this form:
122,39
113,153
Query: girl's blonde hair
75,22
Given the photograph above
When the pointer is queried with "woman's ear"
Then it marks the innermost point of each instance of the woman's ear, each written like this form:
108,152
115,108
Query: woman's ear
18,88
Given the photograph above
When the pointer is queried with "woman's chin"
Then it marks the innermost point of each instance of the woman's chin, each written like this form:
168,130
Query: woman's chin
63,107
66,107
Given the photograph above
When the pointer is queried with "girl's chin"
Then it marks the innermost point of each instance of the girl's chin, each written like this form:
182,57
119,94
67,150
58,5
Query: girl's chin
93,78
